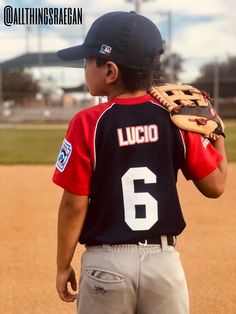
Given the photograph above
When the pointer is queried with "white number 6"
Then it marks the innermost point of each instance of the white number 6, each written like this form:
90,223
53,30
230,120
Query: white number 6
142,198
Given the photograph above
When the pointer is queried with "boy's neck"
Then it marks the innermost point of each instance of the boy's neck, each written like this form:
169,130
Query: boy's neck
127,94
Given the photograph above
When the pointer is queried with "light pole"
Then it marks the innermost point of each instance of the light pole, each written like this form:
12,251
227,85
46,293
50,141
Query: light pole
216,85
171,59
27,31
137,4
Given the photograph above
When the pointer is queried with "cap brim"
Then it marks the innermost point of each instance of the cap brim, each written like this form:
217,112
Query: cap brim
75,53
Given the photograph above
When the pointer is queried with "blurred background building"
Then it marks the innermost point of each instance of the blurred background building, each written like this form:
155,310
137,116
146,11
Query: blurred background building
36,86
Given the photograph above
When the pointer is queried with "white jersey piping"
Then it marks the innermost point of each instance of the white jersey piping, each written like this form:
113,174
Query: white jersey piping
184,146
95,131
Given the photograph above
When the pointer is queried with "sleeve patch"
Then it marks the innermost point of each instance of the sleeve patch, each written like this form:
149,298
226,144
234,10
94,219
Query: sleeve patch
64,155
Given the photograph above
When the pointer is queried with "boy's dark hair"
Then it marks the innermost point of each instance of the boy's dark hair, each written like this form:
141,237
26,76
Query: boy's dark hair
133,79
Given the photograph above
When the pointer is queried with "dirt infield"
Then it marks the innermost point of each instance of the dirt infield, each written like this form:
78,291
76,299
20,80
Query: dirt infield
28,208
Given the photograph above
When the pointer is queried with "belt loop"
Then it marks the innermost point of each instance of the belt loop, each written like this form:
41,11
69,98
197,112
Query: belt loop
175,241
164,243
145,243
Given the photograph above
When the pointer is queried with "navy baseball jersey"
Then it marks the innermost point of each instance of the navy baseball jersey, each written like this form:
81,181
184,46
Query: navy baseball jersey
125,154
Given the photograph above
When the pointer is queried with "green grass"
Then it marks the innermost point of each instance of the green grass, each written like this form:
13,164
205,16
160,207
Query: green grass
37,144
30,145
230,142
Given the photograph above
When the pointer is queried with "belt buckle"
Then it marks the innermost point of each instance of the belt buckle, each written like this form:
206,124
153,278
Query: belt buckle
143,244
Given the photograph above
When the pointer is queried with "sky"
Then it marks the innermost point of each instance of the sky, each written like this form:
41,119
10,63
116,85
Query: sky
201,32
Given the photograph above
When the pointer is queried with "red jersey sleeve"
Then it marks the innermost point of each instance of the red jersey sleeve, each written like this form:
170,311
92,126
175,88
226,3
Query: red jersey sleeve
74,163
77,157
201,156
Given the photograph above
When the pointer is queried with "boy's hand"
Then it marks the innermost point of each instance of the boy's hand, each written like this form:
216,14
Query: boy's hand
63,278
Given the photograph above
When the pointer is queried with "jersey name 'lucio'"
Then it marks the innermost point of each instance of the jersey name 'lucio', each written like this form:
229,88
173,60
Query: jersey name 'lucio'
138,134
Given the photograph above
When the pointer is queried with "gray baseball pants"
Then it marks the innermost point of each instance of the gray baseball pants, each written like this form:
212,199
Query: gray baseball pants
132,279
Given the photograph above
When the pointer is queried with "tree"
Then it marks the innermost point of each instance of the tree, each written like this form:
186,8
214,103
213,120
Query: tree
18,83
171,67
224,73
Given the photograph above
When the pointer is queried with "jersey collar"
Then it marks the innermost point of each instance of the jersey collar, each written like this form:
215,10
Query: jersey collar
132,100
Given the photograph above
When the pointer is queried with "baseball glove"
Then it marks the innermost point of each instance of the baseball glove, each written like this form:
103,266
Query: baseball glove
190,109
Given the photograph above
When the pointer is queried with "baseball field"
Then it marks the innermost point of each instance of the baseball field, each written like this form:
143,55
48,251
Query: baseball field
28,209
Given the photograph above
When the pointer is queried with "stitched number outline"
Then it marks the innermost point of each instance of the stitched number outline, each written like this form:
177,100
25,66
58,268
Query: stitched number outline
132,198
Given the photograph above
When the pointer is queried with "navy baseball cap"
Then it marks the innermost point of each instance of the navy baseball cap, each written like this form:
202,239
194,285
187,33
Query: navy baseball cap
126,38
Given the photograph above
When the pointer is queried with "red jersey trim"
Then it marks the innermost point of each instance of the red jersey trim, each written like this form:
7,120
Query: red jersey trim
131,101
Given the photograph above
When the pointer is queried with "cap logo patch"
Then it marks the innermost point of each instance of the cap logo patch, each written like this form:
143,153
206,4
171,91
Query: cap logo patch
106,50
64,155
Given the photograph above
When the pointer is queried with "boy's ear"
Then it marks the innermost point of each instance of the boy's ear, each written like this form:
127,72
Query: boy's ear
112,72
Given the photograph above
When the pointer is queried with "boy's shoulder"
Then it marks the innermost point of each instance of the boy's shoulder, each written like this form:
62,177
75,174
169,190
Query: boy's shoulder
87,119
93,112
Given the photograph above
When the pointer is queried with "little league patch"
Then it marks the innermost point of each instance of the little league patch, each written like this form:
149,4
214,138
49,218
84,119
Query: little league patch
64,155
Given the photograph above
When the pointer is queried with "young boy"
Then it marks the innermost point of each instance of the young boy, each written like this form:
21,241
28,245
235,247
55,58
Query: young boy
118,167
